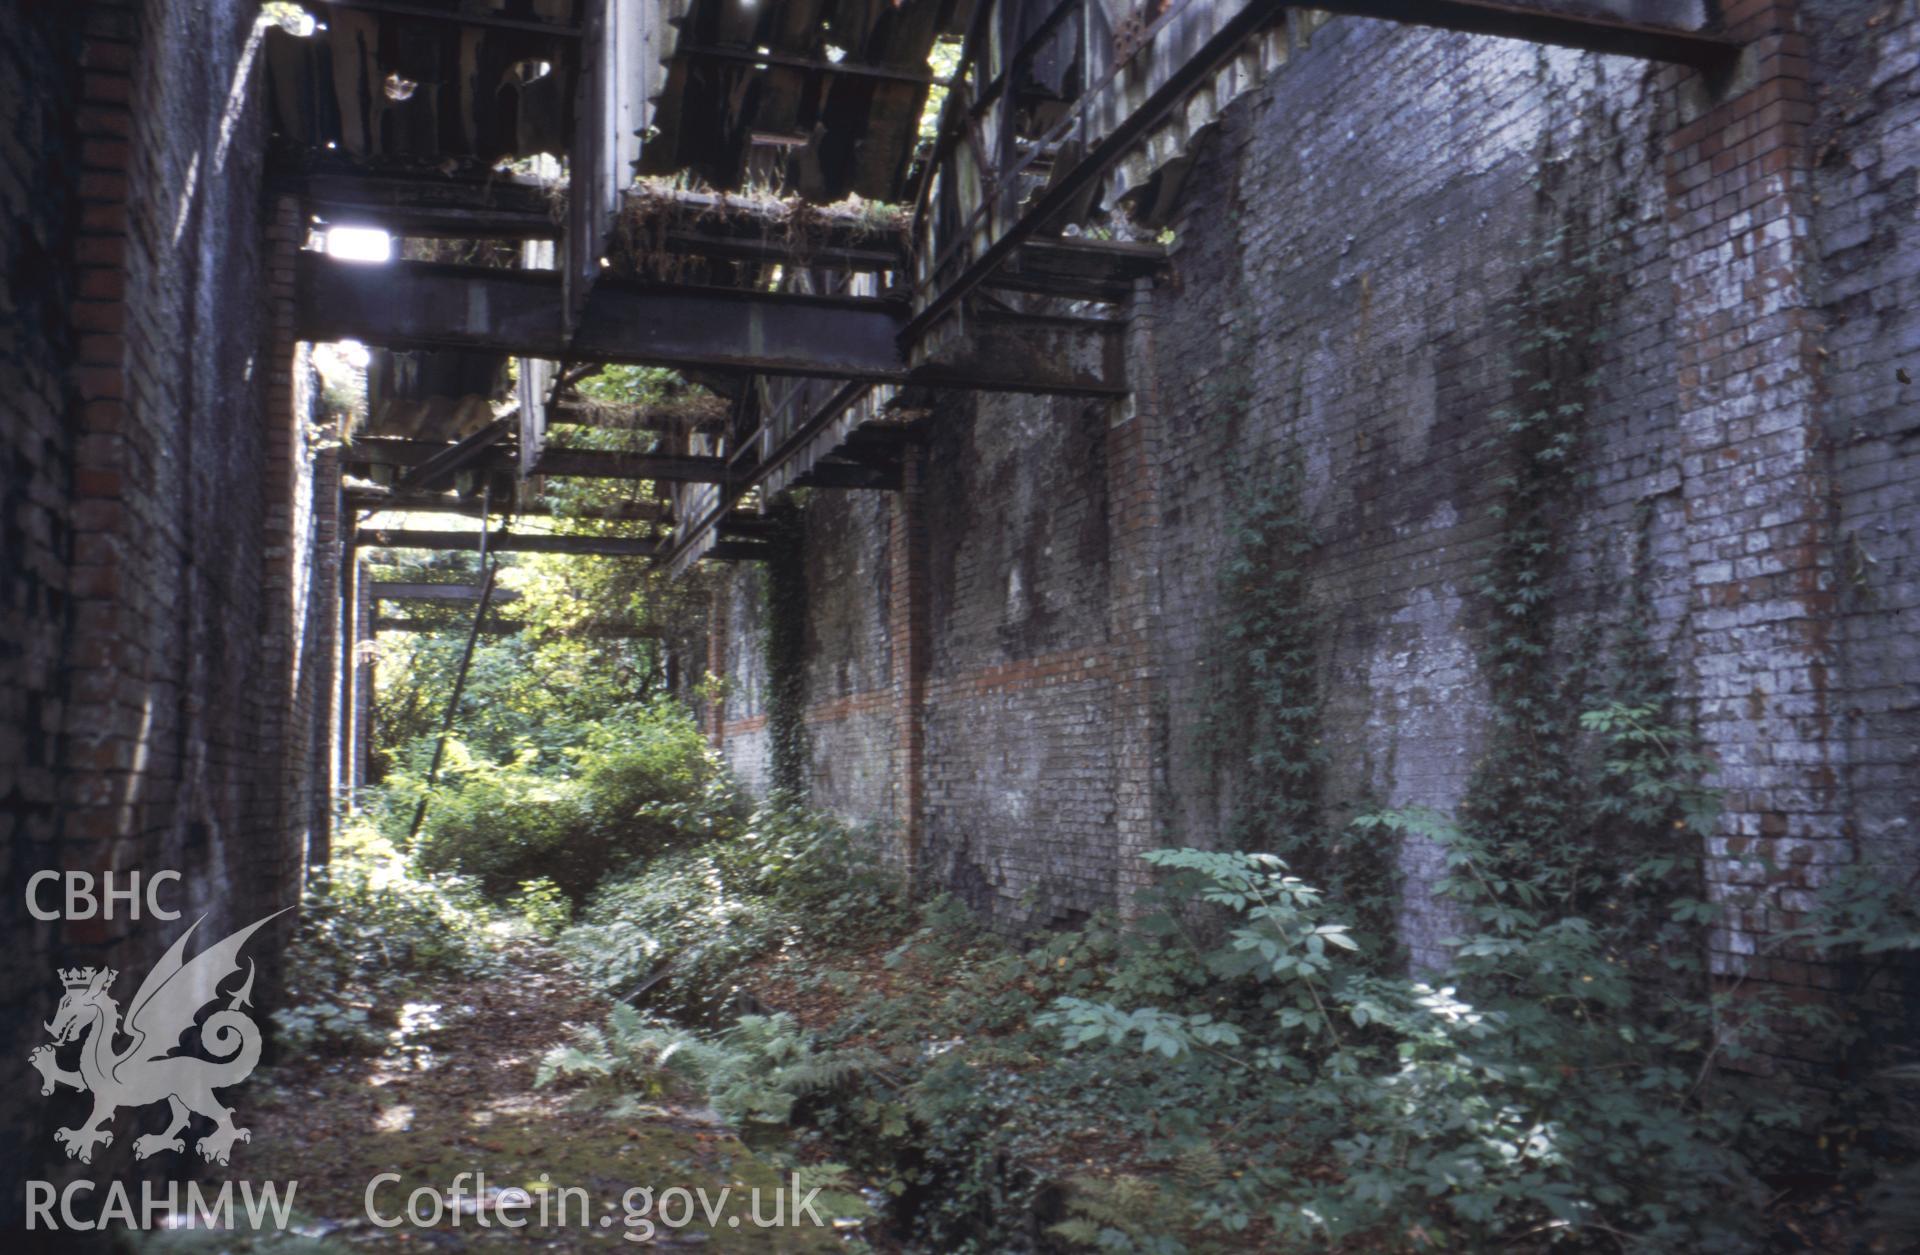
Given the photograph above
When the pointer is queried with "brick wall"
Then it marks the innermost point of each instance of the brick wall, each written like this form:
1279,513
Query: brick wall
40,87
738,722
1754,469
169,631
1865,234
1354,236
849,656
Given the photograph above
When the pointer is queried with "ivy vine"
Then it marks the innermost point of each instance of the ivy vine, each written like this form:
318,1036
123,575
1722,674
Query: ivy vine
785,643
1522,800
1265,713
1612,833
1262,730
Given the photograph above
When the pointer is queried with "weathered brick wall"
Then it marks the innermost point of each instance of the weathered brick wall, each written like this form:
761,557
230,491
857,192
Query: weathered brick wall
848,678
849,717
1355,236
40,83
737,661
1016,685
169,629
1341,305
1019,756
1865,166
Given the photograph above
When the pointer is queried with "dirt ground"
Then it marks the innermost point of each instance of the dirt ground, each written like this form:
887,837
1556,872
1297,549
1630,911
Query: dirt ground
454,1094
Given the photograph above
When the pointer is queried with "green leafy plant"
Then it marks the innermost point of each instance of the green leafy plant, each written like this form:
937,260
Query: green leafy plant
541,903
637,1051
370,925
630,786
680,929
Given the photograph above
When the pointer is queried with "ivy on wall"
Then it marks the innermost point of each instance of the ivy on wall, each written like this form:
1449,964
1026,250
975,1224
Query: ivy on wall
1261,731
785,643
1521,798
1586,803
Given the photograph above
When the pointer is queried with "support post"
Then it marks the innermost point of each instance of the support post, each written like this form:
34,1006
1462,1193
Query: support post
366,672
453,701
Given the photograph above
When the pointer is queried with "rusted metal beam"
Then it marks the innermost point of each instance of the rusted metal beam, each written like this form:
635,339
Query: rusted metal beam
570,463
507,542
1066,187
743,526
428,205
438,470
695,531
1077,269
518,312
738,551
749,56
492,627
769,333
429,305
442,503
720,246
667,418
398,451
851,475
1081,356
1592,29
1226,28
507,627
713,223
724,228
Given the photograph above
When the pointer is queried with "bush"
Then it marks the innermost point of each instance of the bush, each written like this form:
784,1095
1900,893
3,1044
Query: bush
679,930
630,788
1532,1094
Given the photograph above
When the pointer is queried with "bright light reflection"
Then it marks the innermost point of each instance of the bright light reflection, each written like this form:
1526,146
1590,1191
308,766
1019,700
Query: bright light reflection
359,244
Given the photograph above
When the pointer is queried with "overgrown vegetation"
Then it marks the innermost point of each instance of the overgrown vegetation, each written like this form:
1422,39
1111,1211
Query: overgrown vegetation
571,752
370,924
679,931
1523,801
569,813
1231,1070
1242,1061
1261,731
1246,1064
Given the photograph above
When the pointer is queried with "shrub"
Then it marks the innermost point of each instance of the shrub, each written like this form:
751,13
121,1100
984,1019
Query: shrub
680,929
630,788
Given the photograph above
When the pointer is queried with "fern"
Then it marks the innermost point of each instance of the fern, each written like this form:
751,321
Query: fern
1122,1213
1199,1167
634,1049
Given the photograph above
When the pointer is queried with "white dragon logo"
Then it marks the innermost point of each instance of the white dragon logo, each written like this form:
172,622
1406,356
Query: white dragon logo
147,1070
